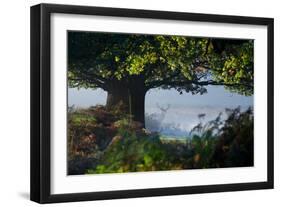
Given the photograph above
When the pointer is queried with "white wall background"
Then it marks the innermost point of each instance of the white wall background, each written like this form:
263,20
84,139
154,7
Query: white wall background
14,101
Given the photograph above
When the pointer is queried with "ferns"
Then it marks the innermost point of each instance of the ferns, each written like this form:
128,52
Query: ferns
101,141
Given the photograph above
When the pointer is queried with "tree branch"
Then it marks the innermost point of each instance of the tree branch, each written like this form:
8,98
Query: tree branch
97,82
156,84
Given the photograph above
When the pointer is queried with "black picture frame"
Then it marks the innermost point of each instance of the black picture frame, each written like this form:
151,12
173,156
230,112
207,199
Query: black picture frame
41,96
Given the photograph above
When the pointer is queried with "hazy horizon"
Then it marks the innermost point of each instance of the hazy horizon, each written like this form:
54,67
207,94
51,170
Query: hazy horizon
183,109
216,96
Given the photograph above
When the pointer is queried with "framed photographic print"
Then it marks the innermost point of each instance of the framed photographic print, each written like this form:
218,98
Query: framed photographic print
132,103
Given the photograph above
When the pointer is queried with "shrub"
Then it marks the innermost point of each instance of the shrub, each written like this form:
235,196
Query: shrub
226,143
235,146
131,153
102,141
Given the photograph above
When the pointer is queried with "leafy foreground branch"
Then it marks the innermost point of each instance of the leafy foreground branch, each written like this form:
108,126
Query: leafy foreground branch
101,141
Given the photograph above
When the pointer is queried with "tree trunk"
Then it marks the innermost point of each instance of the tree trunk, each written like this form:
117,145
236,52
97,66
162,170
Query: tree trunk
129,99
118,97
137,101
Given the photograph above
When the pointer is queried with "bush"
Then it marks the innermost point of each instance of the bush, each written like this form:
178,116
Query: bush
89,133
235,145
225,144
131,153
102,141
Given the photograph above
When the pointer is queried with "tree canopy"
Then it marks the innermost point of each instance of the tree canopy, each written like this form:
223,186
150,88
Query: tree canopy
187,64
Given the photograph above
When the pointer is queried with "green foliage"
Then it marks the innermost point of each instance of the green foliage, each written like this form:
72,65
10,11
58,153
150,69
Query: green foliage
78,119
235,145
202,151
225,144
102,141
184,63
235,68
89,131
131,153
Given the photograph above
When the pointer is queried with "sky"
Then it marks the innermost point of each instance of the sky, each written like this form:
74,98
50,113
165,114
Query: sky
217,96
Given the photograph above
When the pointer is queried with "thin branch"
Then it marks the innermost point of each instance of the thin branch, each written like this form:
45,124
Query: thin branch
200,83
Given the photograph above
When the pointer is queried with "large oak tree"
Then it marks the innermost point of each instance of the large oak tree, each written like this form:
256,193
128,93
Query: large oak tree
128,65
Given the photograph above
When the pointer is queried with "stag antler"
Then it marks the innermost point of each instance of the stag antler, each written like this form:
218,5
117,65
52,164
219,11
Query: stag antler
162,108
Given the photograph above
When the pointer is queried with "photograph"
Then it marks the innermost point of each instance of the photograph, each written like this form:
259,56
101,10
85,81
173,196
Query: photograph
131,103
157,102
